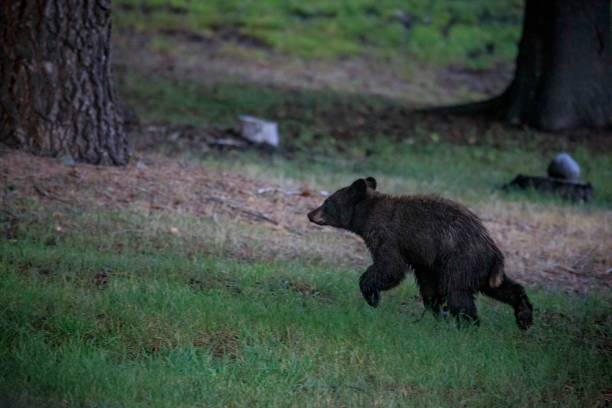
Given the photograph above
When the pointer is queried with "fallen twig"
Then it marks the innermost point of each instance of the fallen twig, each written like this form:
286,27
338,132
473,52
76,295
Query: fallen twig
250,213
44,193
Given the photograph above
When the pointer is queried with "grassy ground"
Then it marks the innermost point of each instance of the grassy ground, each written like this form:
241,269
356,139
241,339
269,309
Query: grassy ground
328,137
101,314
473,33
174,282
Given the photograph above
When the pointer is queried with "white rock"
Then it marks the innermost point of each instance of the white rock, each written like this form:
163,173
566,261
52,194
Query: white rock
258,131
563,166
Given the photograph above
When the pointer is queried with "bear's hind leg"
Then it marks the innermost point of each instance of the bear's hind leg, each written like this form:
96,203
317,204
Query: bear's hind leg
461,305
513,294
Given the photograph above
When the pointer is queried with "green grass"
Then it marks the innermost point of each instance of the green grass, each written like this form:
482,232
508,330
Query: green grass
476,34
173,327
115,311
475,176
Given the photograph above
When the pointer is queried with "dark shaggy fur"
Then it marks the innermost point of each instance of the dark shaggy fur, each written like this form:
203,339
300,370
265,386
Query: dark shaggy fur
450,251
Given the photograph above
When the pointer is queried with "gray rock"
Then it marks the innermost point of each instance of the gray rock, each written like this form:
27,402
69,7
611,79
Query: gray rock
258,131
563,166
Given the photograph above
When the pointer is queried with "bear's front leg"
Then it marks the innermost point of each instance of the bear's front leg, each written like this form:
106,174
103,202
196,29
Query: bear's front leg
369,289
387,272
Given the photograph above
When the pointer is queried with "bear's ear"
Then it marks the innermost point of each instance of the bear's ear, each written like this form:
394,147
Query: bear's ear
371,182
358,190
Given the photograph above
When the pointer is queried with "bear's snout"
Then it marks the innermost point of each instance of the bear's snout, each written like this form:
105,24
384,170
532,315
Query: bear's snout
316,216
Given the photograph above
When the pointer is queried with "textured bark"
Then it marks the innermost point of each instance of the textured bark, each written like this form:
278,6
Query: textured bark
56,93
563,77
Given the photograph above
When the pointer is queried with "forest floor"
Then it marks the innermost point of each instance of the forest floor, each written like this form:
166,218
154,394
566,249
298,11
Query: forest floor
192,277
185,281
551,247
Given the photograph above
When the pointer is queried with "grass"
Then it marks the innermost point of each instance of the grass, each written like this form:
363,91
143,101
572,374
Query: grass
475,34
475,177
113,311
329,137
102,308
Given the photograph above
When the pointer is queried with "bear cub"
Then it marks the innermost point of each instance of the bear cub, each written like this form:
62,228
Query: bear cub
447,246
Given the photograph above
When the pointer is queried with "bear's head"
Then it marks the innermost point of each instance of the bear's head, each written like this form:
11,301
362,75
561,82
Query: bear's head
337,210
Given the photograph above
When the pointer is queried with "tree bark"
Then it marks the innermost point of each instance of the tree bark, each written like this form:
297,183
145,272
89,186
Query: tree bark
563,76
56,92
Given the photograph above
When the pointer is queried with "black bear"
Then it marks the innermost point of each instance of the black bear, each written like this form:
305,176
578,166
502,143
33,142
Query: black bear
450,251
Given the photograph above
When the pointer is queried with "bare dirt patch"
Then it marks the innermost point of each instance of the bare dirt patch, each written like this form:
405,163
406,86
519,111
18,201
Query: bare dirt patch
199,59
553,247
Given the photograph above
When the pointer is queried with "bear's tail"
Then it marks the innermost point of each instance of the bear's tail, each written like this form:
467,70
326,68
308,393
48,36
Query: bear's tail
496,273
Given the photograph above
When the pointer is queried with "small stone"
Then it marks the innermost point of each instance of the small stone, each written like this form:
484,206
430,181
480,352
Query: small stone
563,166
258,131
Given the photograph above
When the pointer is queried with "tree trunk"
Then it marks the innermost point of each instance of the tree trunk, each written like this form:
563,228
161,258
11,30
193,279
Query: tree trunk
56,93
563,76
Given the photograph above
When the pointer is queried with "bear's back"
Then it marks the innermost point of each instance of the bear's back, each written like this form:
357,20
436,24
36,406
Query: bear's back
424,227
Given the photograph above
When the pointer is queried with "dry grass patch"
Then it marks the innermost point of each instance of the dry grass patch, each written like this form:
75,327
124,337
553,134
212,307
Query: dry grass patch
220,211
220,343
562,247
